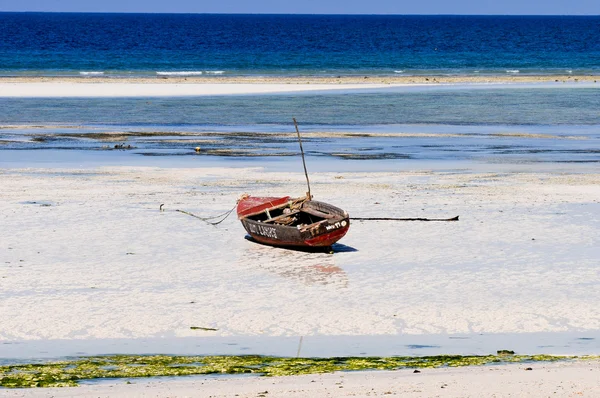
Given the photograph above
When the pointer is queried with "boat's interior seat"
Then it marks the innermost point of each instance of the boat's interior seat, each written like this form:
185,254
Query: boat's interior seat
313,225
317,213
282,216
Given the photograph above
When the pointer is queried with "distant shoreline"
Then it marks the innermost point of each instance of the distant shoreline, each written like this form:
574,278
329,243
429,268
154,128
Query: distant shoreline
65,87
304,79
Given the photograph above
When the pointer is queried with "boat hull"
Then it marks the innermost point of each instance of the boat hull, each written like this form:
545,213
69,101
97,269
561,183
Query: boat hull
323,233
278,235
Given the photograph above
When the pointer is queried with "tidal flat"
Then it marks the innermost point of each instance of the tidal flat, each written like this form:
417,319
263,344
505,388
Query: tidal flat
103,262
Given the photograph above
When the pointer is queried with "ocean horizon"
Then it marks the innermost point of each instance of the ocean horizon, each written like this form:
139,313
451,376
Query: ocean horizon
162,45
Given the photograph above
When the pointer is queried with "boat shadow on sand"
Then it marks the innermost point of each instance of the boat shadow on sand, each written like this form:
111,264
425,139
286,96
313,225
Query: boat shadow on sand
309,268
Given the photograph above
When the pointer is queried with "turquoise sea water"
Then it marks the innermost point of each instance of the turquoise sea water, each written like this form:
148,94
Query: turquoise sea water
510,124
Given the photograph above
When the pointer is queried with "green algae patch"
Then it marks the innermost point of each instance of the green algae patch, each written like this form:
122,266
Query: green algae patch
68,373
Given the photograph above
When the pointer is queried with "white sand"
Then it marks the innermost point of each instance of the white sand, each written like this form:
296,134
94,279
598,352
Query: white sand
102,262
79,89
69,87
544,380
143,87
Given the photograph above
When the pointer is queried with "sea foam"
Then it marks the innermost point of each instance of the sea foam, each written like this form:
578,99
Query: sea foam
182,73
92,73
512,71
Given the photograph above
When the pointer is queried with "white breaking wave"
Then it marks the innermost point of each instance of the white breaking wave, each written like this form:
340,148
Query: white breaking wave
184,73
215,72
91,73
398,71
512,71
569,71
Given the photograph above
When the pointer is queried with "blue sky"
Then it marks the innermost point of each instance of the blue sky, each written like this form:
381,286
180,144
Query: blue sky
530,7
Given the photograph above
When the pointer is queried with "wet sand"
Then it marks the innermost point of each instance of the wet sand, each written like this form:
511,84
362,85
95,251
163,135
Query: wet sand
87,254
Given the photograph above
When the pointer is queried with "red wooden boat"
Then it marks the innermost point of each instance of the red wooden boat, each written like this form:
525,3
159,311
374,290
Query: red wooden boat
288,222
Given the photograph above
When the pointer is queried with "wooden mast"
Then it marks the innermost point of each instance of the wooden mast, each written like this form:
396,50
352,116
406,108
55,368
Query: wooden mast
303,161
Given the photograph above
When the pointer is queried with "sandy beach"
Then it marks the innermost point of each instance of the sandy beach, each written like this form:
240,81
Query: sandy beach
152,89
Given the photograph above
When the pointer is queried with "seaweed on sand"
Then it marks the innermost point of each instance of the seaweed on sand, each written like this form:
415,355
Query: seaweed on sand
69,372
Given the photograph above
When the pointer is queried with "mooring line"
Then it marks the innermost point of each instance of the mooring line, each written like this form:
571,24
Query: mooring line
227,213
402,219
206,219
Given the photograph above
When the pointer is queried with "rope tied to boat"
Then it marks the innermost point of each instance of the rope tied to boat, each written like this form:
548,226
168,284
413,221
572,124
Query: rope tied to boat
402,219
296,204
208,219
220,217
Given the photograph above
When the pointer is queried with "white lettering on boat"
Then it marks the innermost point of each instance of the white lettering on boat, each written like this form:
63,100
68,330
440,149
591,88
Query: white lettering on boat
335,226
268,232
